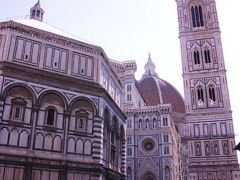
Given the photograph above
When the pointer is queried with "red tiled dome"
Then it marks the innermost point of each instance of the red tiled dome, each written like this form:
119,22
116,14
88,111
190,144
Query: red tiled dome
157,91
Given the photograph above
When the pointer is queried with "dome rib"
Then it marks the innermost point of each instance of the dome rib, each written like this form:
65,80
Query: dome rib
152,88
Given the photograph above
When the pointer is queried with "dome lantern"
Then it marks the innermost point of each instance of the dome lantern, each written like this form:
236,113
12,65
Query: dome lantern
36,12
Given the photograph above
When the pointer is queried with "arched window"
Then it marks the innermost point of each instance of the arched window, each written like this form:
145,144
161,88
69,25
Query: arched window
200,94
33,12
207,56
147,123
211,92
196,57
50,116
140,124
129,173
167,172
154,123
197,16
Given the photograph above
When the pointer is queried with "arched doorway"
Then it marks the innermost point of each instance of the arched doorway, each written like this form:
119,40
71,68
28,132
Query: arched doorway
149,176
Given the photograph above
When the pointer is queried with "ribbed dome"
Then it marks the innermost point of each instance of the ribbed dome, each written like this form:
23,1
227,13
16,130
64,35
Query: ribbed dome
157,91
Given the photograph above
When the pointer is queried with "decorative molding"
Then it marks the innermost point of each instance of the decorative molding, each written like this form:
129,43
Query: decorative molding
38,89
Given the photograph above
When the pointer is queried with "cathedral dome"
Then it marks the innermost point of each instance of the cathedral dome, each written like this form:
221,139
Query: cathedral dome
158,91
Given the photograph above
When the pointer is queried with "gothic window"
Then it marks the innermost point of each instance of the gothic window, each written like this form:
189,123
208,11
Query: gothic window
200,96
154,123
51,115
211,91
18,109
140,124
166,150
165,138
129,123
197,16
129,173
81,120
207,56
129,151
147,123
129,140
129,87
129,97
165,121
167,172
196,56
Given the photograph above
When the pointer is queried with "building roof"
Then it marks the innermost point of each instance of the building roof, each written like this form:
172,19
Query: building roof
158,91
48,28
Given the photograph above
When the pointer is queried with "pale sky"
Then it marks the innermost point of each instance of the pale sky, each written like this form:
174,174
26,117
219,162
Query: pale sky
129,29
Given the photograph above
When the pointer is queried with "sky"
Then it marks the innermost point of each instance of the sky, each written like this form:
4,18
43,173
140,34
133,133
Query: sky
130,29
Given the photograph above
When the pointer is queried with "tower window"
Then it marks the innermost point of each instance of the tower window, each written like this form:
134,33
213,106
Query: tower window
166,150
211,92
50,116
129,97
197,16
165,121
129,87
196,57
154,123
140,124
200,94
207,56
165,138
147,123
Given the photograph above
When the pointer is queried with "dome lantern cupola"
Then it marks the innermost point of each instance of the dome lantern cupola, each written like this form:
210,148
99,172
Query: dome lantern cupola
36,12
150,67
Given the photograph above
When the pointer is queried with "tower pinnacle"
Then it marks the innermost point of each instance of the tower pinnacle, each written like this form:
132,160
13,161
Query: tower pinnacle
36,12
150,67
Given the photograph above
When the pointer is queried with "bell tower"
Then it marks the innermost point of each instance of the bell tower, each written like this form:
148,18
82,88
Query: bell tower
209,131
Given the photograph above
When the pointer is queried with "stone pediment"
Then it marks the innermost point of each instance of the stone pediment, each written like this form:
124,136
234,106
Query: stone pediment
148,163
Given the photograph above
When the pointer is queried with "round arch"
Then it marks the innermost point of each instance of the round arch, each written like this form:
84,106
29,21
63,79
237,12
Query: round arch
149,176
15,85
43,94
95,112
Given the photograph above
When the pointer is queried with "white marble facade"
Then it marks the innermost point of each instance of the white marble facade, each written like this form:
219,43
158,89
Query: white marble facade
67,111
60,99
